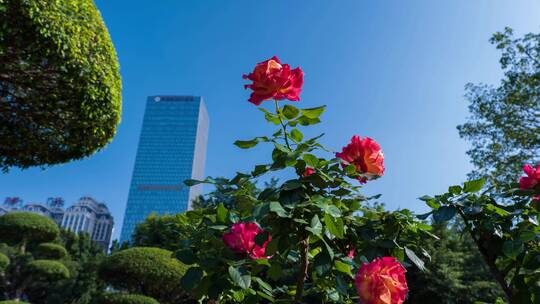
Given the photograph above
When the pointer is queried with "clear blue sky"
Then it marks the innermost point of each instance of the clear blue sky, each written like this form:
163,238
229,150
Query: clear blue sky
393,70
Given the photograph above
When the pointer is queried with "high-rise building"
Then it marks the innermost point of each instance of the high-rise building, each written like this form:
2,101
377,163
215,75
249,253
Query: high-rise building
172,148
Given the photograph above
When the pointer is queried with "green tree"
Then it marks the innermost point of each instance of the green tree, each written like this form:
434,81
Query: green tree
34,263
455,273
60,87
504,126
146,271
120,298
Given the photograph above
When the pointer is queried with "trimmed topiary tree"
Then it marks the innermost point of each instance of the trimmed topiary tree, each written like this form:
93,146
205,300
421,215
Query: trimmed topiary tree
50,251
30,264
145,270
60,87
22,227
122,298
46,270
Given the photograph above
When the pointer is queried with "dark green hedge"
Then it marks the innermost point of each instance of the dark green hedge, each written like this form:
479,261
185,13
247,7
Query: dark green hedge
49,251
47,270
13,302
16,226
60,86
144,270
122,298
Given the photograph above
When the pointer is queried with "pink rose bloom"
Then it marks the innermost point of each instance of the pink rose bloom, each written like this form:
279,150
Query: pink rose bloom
532,180
241,240
366,156
381,282
308,172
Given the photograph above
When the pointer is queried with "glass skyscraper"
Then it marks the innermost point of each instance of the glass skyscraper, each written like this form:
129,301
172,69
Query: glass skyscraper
172,148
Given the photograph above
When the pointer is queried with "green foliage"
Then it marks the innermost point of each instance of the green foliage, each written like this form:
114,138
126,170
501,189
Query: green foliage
505,230
504,126
145,270
46,270
314,223
16,227
121,298
455,271
60,86
4,262
13,302
50,251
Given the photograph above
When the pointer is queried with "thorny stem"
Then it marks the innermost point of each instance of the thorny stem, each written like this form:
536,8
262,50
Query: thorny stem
283,126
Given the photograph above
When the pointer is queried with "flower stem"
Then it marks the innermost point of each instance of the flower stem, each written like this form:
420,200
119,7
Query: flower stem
283,126
302,272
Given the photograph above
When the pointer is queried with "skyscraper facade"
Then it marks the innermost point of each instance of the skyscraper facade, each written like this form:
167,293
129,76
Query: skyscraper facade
172,148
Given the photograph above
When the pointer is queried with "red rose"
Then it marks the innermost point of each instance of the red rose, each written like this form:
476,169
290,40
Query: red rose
532,180
381,282
273,80
366,155
241,240
308,172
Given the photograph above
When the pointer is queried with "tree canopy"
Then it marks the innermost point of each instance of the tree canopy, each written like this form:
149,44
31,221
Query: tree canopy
27,226
504,125
121,298
60,87
149,271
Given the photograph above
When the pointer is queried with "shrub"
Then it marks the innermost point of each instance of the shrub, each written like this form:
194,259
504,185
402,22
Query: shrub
122,298
144,270
60,86
47,270
4,261
50,251
13,302
19,226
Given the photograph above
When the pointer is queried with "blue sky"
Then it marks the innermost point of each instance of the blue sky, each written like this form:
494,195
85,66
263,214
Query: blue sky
392,70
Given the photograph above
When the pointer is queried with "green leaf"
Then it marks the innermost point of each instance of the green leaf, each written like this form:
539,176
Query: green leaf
296,135
290,112
192,278
313,112
444,213
271,247
270,117
259,169
315,226
474,185
221,213
311,160
322,263
497,210
526,236
246,144
186,256
278,209
343,267
306,121
244,281
334,226
415,259
454,190
513,248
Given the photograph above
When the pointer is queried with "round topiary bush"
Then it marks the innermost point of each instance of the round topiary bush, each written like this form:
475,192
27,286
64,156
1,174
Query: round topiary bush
19,226
145,270
50,251
122,298
4,262
60,86
47,270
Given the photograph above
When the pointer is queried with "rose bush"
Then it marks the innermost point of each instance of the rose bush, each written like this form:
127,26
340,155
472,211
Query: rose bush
303,240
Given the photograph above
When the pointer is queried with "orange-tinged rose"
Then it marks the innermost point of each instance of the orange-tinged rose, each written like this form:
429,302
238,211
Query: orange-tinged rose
366,156
381,282
274,80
